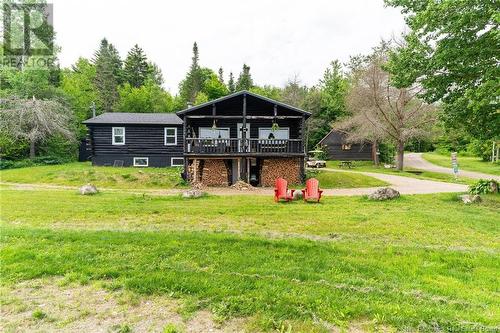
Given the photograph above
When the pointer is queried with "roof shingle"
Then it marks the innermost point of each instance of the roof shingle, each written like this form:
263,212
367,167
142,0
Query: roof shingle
135,118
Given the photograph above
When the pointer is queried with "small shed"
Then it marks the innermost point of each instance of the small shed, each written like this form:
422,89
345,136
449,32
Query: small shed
337,148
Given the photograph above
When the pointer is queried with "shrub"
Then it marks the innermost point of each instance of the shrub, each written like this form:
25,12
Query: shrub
484,187
39,160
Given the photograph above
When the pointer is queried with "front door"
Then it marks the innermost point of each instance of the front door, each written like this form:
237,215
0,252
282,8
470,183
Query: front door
240,135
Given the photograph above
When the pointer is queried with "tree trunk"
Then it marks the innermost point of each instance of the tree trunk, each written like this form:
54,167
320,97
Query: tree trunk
32,149
400,155
374,153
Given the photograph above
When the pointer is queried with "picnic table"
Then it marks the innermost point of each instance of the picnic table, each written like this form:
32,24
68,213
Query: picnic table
344,164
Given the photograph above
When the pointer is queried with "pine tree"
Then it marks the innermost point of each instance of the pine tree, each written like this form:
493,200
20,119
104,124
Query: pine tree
108,75
230,83
155,74
245,81
221,75
136,68
191,85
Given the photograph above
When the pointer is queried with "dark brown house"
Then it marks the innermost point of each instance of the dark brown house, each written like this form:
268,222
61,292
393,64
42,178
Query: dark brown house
244,136
337,148
240,136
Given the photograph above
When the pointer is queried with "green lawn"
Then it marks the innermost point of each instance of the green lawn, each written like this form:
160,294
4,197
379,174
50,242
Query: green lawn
368,166
464,163
426,262
344,180
77,174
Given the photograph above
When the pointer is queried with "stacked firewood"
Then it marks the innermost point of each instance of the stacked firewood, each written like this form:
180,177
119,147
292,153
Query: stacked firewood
214,173
287,168
195,166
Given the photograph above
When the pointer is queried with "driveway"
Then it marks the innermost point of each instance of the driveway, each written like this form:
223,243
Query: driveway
405,185
416,161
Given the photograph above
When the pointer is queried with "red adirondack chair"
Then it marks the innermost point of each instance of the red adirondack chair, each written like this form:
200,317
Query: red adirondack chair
281,190
312,190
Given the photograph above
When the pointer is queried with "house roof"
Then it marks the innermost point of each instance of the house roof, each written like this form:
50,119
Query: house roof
330,133
135,118
237,94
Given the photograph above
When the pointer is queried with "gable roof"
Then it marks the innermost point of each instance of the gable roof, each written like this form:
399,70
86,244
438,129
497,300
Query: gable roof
332,131
240,93
135,118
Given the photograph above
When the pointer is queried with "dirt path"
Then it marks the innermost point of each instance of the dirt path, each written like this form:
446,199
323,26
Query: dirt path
416,161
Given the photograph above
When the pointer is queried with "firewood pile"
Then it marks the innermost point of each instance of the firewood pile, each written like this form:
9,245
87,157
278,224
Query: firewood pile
287,168
242,186
214,173
195,166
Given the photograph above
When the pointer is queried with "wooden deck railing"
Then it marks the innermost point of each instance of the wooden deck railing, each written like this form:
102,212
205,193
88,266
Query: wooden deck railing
240,146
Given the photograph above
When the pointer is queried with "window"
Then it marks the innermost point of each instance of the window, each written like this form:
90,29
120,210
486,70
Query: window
346,147
118,135
170,136
268,133
214,133
141,161
176,161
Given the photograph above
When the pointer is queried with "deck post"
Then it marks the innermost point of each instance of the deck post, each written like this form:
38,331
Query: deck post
184,147
244,137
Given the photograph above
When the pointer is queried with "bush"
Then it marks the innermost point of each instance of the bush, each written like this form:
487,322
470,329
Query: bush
480,148
387,152
484,187
40,160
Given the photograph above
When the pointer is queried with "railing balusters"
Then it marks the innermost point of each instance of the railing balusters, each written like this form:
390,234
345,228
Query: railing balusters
233,145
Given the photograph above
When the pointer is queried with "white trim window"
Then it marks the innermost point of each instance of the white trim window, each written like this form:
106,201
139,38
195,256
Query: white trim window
141,161
118,137
282,133
213,133
170,136
176,161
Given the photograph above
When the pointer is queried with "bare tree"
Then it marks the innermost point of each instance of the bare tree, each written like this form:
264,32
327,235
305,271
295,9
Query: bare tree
35,120
380,111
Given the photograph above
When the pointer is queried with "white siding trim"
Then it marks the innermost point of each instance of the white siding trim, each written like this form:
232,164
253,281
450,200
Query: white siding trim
113,136
172,160
165,136
147,161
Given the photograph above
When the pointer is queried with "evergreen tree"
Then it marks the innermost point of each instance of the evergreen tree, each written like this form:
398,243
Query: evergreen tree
221,75
108,75
230,84
136,68
155,74
245,81
191,85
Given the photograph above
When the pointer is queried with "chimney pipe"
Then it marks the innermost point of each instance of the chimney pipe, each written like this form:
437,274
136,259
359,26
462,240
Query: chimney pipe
189,105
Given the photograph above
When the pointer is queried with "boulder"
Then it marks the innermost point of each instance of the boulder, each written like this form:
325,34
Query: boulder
469,199
193,193
297,195
385,193
88,189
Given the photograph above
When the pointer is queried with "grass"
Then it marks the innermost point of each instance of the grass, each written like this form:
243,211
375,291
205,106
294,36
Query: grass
367,166
464,163
77,174
423,262
344,180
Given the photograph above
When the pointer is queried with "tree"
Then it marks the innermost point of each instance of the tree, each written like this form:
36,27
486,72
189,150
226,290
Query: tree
331,91
149,97
230,84
294,93
155,74
78,86
221,75
191,85
379,110
108,75
267,91
35,120
245,81
452,50
136,69
212,87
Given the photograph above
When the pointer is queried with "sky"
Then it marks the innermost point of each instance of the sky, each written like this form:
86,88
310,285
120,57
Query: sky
278,39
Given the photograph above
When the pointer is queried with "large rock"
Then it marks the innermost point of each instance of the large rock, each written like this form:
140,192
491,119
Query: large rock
193,193
297,195
88,189
385,193
469,199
